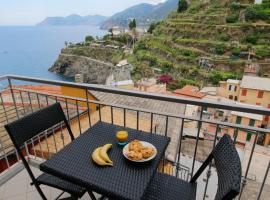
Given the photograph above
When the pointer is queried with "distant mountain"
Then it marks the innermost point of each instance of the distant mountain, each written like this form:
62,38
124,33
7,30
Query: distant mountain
144,13
73,20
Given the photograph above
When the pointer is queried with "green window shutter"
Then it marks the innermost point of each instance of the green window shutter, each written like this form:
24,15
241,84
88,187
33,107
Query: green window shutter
238,120
251,122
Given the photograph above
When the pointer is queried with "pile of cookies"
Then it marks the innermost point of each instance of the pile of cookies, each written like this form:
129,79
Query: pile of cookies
136,151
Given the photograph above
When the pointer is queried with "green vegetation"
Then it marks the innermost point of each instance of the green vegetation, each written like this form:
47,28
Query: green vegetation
232,18
258,11
199,44
132,24
89,38
182,6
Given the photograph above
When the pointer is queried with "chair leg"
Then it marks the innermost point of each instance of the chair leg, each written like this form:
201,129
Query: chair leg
40,191
91,194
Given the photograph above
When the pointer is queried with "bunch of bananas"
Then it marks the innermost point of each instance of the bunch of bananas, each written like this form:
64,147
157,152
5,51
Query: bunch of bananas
101,157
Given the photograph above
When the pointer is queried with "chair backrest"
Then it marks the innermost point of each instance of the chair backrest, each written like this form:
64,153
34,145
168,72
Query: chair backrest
228,167
35,123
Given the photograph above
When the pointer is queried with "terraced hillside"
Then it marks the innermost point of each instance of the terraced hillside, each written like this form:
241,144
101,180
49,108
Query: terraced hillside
211,41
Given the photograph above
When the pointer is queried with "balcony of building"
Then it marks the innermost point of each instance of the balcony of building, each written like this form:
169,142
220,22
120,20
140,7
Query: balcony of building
86,104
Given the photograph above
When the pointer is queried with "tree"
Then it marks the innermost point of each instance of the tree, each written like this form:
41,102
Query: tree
89,38
132,24
182,6
111,31
151,28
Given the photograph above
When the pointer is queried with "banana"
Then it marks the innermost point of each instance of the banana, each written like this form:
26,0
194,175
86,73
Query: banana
97,159
103,153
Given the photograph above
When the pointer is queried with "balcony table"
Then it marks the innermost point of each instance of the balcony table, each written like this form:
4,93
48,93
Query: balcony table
125,180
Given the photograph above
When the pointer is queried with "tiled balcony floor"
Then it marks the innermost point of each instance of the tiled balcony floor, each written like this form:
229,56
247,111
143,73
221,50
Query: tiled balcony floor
19,188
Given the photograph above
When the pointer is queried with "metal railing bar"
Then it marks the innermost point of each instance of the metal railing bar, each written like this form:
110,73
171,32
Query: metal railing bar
13,97
197,140
78,117
67,112
3,77
174,99
22,101
264,179
138,119
5,155
124,117
88,108
5,113
208,174
262,130
55,145
99,112
180,146
30,101
39,106
248,166
151,123
33,147
112,115
46,138
166,125
40,147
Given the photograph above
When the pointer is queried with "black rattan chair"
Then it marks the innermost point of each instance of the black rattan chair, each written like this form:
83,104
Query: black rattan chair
228,166
30,126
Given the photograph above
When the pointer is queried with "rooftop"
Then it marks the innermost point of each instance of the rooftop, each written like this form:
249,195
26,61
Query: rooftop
190,91
256,83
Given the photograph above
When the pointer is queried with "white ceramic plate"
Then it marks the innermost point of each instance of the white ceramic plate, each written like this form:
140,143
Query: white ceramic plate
146,144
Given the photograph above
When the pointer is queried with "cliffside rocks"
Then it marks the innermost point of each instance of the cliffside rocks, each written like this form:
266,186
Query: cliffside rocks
94,71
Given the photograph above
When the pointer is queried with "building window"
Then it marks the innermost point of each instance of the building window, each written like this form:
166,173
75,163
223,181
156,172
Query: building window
235,98
230,87
244,92
235,88
251,122
260,94
231,97
258,104
238,120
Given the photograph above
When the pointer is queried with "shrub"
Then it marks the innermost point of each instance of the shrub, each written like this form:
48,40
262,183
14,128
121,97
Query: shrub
236,51
139,46
224,37
89,38
232,18
220,49
252,39
263,52
258,12
182,6
152,27
165,79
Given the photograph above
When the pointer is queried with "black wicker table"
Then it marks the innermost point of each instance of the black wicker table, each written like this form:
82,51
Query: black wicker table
125,180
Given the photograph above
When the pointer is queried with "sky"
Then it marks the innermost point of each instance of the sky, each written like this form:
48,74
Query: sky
30,12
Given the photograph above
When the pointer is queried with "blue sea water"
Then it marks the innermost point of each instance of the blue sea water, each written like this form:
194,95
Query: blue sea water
31,50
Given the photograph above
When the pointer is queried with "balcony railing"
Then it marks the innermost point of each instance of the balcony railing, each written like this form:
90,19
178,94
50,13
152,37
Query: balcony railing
154,113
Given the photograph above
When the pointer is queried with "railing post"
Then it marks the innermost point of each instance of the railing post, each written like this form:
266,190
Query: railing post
4,108
13,97
264,179
208,174
197,140
244,182
180,146
88,107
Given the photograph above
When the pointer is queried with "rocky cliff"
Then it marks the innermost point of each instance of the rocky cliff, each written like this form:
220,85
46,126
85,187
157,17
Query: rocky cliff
94,71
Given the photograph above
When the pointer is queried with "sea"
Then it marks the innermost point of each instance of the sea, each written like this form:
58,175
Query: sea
31,50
